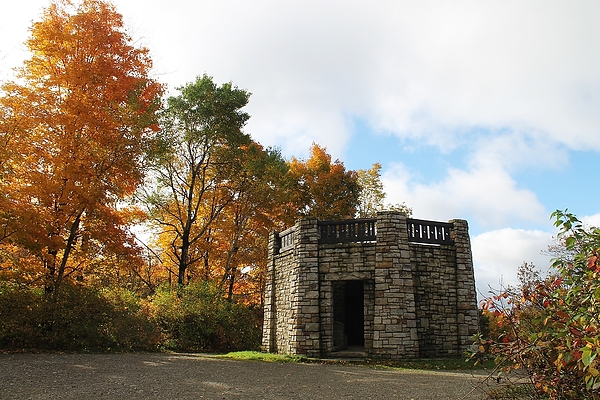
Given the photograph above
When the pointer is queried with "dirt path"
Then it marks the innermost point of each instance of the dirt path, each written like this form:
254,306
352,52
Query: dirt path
178,376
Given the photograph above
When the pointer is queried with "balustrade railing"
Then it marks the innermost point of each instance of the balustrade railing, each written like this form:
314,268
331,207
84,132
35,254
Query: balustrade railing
364,230
429,232
353,230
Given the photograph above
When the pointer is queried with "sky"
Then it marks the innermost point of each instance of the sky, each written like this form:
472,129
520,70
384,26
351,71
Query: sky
480,110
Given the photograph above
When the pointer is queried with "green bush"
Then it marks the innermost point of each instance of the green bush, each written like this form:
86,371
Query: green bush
80,319
21,315
199,318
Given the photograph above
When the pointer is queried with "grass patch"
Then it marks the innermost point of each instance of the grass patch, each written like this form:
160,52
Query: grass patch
441,364
258,356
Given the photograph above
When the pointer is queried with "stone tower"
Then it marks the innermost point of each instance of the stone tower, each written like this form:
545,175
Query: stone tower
388,287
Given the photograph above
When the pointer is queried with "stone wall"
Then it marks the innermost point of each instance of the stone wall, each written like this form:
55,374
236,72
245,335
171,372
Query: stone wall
418,300
435,298
338,263
278,311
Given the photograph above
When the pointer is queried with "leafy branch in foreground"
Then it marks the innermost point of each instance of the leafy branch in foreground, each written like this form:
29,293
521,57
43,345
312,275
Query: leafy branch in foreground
552,330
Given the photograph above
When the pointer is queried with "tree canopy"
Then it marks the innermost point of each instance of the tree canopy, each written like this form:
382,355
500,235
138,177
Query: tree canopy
76,125
196,161
323,189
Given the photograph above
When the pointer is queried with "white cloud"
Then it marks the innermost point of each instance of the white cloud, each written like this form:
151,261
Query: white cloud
514,151
591,220
498,254
494,65
422,69
484,193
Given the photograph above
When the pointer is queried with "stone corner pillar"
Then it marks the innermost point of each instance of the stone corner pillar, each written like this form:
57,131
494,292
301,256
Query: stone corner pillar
305,302
468,315
269,309
395,321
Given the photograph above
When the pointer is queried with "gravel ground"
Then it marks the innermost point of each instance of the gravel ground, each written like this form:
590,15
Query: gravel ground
184,376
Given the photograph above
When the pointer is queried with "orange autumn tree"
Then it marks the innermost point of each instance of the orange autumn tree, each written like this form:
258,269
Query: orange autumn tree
323,189
77,123
239,239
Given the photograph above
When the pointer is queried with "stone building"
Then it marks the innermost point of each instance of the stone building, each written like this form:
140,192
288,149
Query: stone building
389,287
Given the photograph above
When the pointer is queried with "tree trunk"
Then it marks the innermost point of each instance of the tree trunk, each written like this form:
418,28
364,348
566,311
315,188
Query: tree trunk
231,282
50,266
70,243
183,260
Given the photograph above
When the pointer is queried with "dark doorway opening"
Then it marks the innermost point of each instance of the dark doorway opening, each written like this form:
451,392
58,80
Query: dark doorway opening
348,314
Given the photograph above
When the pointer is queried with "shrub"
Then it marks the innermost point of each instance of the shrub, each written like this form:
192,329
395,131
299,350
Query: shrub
21,313
197,317
80,319
553,328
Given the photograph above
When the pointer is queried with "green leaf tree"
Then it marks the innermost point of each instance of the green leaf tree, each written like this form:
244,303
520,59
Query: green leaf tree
372,194
195,164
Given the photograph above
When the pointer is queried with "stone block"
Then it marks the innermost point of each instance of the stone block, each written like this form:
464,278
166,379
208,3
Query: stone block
414,334
310,309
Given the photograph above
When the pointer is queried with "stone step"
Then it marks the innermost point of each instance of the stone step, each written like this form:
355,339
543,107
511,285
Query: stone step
350,352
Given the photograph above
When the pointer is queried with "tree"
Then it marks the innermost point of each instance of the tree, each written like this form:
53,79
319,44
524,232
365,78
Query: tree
323,189
240,238
196,163
372,194
554,323
234,249
77,124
